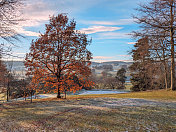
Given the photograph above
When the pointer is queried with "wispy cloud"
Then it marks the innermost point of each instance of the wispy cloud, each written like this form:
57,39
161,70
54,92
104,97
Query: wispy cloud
35,13
113,35
19,53
125,58
102,57
21,30
124,55
118,22
131,43
112,60
15,56
95,29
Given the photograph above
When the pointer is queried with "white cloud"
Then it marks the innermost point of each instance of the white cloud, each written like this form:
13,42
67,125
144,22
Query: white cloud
102,57
14,56
113,35
19,53
37,12
124,55
124,58
95,29
118,22
112,60
21,30
131,43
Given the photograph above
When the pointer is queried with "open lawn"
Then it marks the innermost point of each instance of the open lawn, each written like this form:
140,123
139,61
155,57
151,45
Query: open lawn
152,95
2,97
117,112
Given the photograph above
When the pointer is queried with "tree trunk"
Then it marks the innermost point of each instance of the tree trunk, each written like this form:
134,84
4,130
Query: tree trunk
172,68
172,49
7,95
8,91
31,95
166,83
65,94
25,96
58,93
165,75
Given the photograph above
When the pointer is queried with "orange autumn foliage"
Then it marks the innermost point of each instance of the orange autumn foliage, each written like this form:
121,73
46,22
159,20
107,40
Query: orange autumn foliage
59,59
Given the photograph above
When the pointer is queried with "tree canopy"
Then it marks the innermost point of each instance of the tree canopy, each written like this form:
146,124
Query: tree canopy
157,21
59,55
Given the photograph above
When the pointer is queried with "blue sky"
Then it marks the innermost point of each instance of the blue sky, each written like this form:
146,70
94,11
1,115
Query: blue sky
108,22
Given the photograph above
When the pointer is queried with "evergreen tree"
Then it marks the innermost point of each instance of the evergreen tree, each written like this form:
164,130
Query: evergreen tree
121,77
141,65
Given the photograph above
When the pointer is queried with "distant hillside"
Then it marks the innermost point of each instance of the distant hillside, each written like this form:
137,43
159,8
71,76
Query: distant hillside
111,67
112,63
15,65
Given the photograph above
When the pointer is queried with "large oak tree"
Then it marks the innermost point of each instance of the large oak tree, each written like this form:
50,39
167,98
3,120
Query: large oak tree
58,56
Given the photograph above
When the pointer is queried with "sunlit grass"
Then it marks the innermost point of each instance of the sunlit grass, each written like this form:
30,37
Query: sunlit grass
92,113
86,114
2,97
156,94
128,86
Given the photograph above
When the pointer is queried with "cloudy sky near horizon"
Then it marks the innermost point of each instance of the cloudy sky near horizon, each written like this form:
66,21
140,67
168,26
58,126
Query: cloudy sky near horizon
107,22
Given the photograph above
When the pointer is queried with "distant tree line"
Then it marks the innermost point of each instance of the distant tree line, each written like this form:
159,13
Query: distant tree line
104,67
108,81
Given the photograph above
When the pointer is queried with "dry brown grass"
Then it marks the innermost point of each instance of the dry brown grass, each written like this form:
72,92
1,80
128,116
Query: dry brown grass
2,97
113,112
91,113
154,95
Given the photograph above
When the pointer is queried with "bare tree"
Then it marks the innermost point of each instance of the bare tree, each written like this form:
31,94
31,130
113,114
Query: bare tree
161,51
160,15
9,19
9,78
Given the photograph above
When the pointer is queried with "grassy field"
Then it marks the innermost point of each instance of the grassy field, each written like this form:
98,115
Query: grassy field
116,112
2,97
152,95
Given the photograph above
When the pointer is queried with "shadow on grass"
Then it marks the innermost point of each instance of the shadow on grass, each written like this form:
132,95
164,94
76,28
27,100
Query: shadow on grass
99,114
